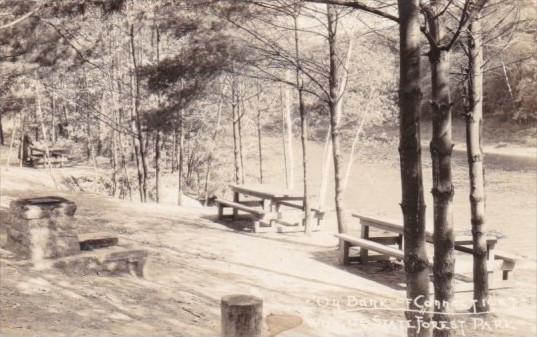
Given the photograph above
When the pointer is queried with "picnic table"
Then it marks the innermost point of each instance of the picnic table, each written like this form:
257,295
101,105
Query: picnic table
384,244
271,197
264,202
57,156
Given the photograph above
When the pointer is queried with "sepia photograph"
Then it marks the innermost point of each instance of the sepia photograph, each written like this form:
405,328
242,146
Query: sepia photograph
268,168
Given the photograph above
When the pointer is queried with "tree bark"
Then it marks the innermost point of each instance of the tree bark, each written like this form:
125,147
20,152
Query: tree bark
303,127
157,132
240,103
1,127
335,112
139,135
235,121
259,133
474,126
412,204
443,190
211,151
327,161
181,144
284,146
289,138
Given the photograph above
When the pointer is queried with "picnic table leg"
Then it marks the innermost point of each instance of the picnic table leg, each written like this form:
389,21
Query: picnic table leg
490,256
277,210
235,199
364,234
220,211
344,250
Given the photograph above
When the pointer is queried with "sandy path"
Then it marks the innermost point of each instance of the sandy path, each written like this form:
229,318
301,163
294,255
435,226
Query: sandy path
195,261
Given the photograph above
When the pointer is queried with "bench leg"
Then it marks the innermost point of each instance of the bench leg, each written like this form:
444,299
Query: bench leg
235,199
277,210
344,250
220,211
364,234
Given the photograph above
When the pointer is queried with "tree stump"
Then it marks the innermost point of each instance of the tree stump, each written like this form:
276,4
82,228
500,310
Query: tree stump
242,315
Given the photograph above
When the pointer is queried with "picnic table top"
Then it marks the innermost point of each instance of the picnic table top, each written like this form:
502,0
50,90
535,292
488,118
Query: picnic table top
267,191
51,150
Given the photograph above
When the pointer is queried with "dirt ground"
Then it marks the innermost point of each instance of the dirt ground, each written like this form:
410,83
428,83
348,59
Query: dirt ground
194,261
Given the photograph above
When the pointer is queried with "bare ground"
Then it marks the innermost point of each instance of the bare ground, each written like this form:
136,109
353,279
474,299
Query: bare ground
194,261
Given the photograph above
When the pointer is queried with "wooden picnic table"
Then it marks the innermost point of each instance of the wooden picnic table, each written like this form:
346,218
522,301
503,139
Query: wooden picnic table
263,202
56,155
270,197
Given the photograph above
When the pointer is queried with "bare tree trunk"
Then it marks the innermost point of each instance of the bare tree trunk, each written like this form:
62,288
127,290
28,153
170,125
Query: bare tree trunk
39,112
357,134
12,143
23,155
443,191
474,126
180,159
53,112
289,137
303,128
114,155
259,133
157,166
1,127
175,150
335,114
135,144
211,151
284,146
412,204
157,132
240,103
327,163
235,120
139,138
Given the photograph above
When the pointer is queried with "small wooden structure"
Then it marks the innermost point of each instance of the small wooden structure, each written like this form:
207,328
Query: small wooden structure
268,200
57,157
384,245
242,315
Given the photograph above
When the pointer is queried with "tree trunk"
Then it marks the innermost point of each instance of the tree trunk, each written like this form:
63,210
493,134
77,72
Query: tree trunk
303,128
181,144
412,204
441,149
22,153
211,151
136,101
240,103
235,120
357,134
157,166
284,146
289,138
259,134
474,124
52,112
327,163
114,154
335,114
157,132
1,128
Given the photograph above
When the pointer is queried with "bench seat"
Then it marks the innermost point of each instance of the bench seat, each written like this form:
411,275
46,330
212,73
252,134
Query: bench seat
263,219
350,241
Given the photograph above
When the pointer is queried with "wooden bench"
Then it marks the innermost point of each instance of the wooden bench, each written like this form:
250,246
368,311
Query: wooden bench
348,241
508,262
462,242
262,218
